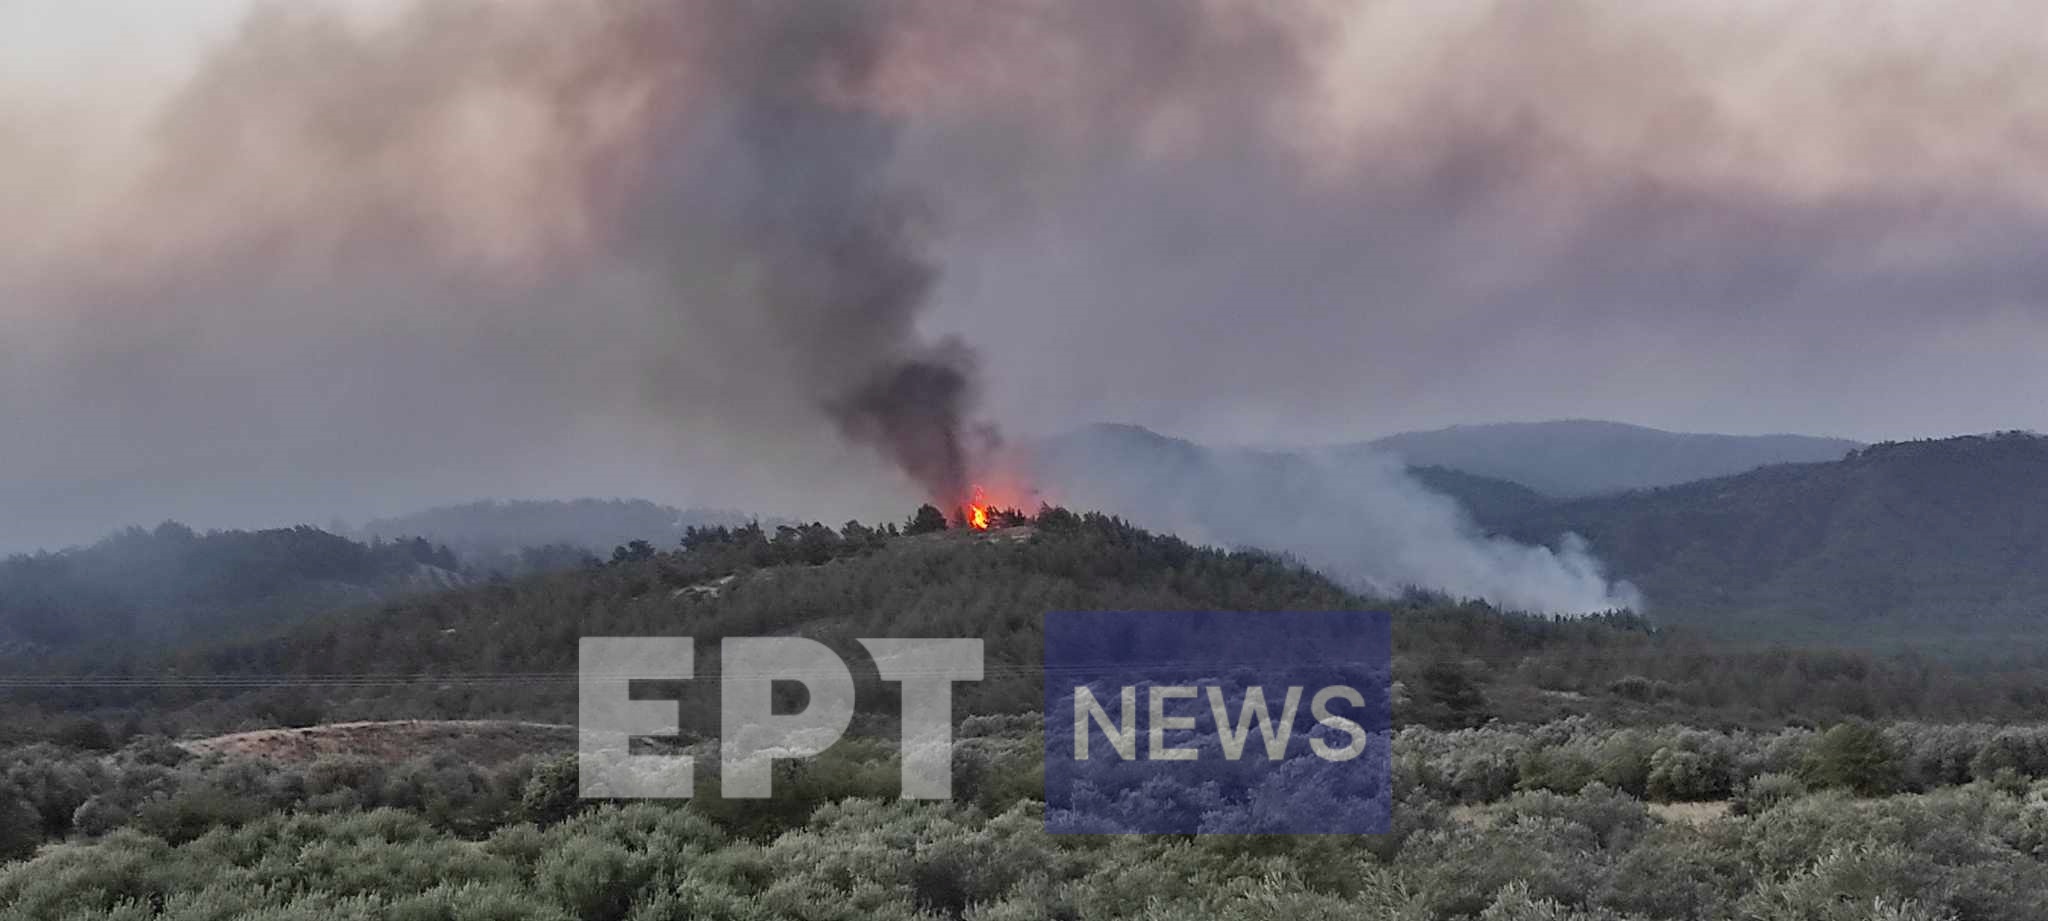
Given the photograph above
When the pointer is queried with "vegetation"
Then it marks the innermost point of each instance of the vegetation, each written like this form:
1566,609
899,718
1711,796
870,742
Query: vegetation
143,588
1484,498
1942,541
505,649
1594,768
1558,821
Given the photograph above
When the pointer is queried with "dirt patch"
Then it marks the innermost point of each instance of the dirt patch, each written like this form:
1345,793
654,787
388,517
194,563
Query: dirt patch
1690,813
1687,813
475,741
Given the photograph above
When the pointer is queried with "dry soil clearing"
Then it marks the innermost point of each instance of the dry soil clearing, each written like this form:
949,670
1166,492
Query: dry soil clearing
475,741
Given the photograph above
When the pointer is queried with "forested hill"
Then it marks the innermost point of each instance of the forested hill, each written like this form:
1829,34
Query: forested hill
508,649
147,589
1580,457
1484,498
1921,539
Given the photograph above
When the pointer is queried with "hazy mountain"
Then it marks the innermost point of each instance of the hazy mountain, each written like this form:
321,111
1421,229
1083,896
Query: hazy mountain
141,588
1485,498
502,533
1925,537
1585,457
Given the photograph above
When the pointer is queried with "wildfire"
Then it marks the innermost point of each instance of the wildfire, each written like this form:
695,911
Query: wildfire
980,513
977,511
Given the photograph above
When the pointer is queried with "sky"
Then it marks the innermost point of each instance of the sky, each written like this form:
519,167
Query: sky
271,262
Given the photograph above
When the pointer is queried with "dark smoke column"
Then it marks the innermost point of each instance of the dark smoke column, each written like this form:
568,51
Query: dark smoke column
913,410
840,266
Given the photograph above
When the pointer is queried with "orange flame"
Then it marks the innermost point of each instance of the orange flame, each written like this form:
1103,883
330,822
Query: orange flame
977,511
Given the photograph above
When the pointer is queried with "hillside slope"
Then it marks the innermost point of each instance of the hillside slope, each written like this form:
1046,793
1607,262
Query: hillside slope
1902,539
1585,457
1486,499
142,589
508,650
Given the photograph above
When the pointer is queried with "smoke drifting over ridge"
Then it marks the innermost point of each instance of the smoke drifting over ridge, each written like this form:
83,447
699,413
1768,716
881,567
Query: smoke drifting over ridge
365,261
1359,517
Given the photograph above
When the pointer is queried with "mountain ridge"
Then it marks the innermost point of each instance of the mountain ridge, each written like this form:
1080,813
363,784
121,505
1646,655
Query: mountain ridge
1917,537
1570,458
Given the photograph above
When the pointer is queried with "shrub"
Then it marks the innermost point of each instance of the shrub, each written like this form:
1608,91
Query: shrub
1675,871
593,880
21,828
1764,791
84,734
1855,757
1685,775
2021,752
1641,689
194,811
1624,761
101,815
552,792
1556,769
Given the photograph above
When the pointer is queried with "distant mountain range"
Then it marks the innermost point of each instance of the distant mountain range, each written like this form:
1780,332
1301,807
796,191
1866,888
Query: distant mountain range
1495,472
1896,540
1926,538
1580,457
1890,541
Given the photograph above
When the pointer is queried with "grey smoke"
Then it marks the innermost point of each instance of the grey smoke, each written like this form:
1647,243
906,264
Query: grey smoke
1357,516
834,248
368,257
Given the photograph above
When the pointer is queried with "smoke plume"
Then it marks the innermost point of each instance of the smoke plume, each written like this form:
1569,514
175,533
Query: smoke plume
360,257
833,243
1358,517
693,203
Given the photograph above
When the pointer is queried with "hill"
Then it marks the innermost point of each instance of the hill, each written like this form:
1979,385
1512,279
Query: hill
1916,539
1584,457
508,650
537,535
142,589
1486,499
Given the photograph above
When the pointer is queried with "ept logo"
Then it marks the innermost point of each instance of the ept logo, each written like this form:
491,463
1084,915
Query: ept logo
1212,723
752,734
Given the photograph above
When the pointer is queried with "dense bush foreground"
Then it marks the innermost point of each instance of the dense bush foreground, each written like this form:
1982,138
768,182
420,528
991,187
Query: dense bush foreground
1554,822
1960,853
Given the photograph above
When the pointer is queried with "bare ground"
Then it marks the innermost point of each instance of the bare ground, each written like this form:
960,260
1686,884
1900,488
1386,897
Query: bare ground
475,741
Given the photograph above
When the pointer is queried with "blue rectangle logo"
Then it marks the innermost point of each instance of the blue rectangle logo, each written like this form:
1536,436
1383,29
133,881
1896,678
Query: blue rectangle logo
1217,723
